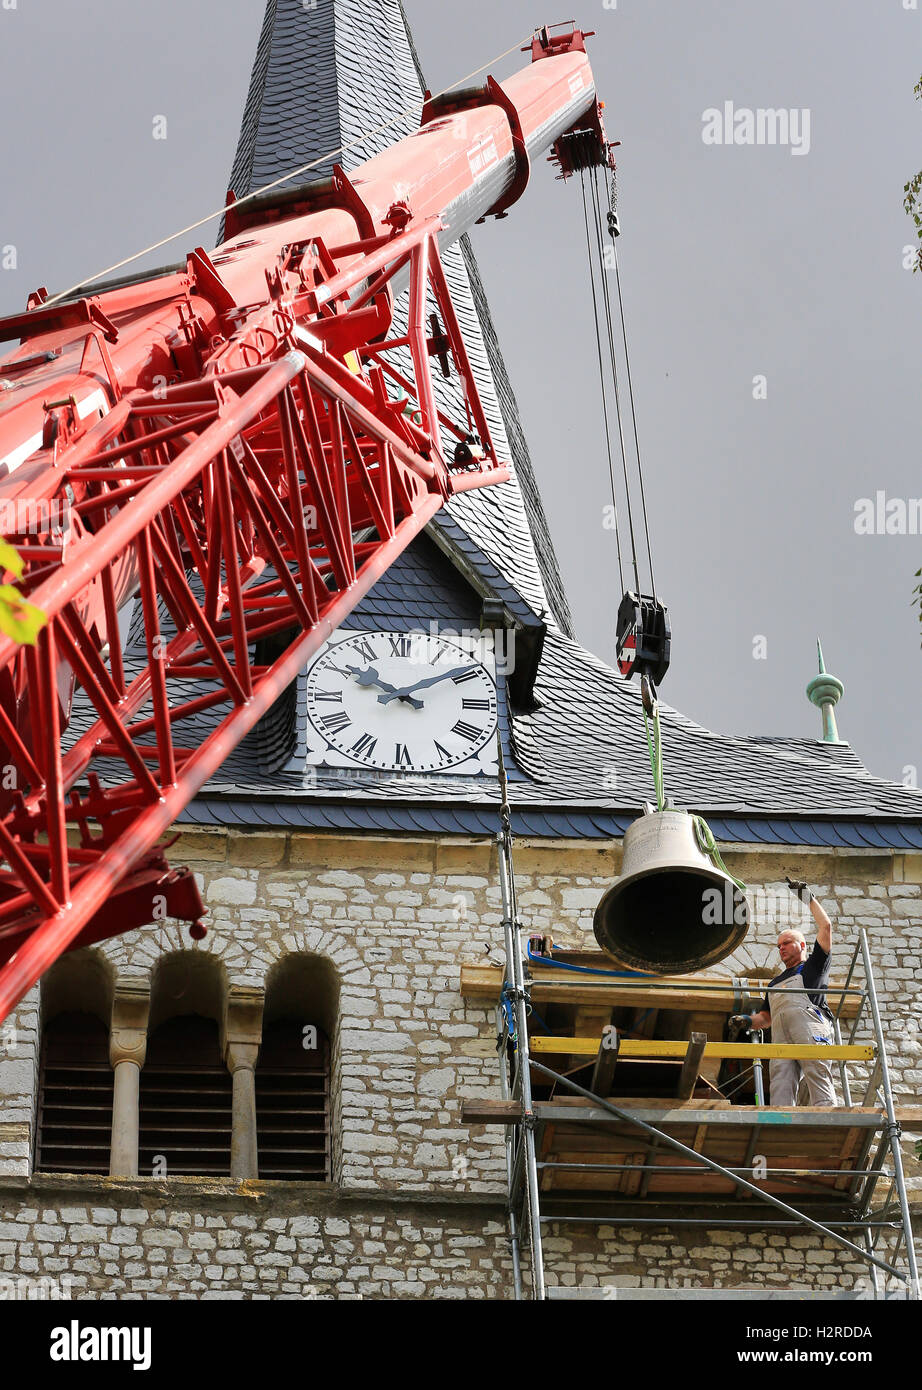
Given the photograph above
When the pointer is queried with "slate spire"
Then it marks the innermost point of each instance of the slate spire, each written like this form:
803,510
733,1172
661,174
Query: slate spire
325,74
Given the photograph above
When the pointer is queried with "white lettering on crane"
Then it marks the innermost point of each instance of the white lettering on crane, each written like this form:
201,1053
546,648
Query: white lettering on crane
482,155
95,401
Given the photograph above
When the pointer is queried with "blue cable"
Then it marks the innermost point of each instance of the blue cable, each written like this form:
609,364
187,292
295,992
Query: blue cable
590,970
507,1008
536,1015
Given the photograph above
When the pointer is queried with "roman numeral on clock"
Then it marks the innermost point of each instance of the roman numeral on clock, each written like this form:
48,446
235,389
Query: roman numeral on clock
475,704
465,676
365,649
335,722
329,695
402,756
400,646
465,730
364,745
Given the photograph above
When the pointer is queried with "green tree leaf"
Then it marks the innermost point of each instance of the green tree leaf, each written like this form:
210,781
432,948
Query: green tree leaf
19,619
10,559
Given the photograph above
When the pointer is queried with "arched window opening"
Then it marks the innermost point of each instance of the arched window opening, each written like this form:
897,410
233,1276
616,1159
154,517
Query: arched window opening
293,1093
185,1101
185,1098
74,1128
293,1101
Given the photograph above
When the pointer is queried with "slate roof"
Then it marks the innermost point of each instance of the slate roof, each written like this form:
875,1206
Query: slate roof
253,815
577,757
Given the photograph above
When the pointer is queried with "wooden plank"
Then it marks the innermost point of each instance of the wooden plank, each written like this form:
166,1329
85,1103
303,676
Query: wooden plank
870,1094
603,1073
754,1137
712,1025
648,1047
851,1142
698,1140
657,1111
790,1175
589,1024
648,1166
490,1112
557,986
691,1066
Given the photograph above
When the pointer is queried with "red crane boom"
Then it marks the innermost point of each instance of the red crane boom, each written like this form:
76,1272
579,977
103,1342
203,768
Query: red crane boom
236,443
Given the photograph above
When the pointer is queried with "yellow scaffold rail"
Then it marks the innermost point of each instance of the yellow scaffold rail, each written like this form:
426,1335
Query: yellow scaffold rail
646,1047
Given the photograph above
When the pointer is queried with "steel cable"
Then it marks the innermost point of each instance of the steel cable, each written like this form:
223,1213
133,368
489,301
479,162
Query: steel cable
598,340
606,302
630,385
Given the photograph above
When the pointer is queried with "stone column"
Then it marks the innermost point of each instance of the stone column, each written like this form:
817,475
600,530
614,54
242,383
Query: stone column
127,1049
241,1037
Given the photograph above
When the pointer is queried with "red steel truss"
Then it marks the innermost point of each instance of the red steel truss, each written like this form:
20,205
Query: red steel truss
238,500
243,446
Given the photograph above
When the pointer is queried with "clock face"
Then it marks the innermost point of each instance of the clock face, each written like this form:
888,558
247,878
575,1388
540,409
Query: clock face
405,703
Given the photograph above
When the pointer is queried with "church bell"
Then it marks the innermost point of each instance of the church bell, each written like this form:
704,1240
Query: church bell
672,910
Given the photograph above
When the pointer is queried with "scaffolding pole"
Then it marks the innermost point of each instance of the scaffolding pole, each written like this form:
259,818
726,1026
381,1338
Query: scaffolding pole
516,993
893,1127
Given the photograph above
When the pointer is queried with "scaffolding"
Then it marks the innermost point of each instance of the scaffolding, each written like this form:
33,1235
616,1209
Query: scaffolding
838,1202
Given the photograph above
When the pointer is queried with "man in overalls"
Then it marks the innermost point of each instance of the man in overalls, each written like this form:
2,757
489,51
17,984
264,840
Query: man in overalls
796,1010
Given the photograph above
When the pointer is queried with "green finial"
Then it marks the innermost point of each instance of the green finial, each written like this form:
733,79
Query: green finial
825,691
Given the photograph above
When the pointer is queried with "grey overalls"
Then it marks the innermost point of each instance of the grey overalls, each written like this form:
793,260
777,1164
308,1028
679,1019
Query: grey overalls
796,1020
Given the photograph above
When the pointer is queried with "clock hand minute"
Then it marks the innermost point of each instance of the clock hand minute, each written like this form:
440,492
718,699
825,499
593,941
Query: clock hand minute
369,677
404,692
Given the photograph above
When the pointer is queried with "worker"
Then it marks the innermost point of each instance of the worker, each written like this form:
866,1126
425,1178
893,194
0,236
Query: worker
796,1010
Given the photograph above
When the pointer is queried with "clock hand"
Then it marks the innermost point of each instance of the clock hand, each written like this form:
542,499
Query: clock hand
370,677
421,685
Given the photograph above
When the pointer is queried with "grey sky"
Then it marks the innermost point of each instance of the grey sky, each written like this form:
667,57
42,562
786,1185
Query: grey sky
736,261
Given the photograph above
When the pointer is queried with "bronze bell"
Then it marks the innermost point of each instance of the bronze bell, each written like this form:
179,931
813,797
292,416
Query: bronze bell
672,910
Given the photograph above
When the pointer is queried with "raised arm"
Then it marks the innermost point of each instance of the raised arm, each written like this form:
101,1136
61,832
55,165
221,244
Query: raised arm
823,925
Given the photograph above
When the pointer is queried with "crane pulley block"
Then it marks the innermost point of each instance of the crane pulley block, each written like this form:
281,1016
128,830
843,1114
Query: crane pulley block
643,637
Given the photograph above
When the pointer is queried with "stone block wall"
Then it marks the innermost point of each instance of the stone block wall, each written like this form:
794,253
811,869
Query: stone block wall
397,918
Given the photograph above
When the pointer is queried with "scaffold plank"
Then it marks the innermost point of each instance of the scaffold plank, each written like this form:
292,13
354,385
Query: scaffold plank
698,992
658,1111
654,1047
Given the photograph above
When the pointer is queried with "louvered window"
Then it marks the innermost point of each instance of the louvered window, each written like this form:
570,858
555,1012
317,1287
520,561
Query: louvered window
74,1129
293,1103
186,1098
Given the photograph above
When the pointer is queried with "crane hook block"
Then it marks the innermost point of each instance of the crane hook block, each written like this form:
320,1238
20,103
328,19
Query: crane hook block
643,637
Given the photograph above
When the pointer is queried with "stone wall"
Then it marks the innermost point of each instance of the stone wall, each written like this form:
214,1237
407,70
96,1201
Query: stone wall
397,918
193,1238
